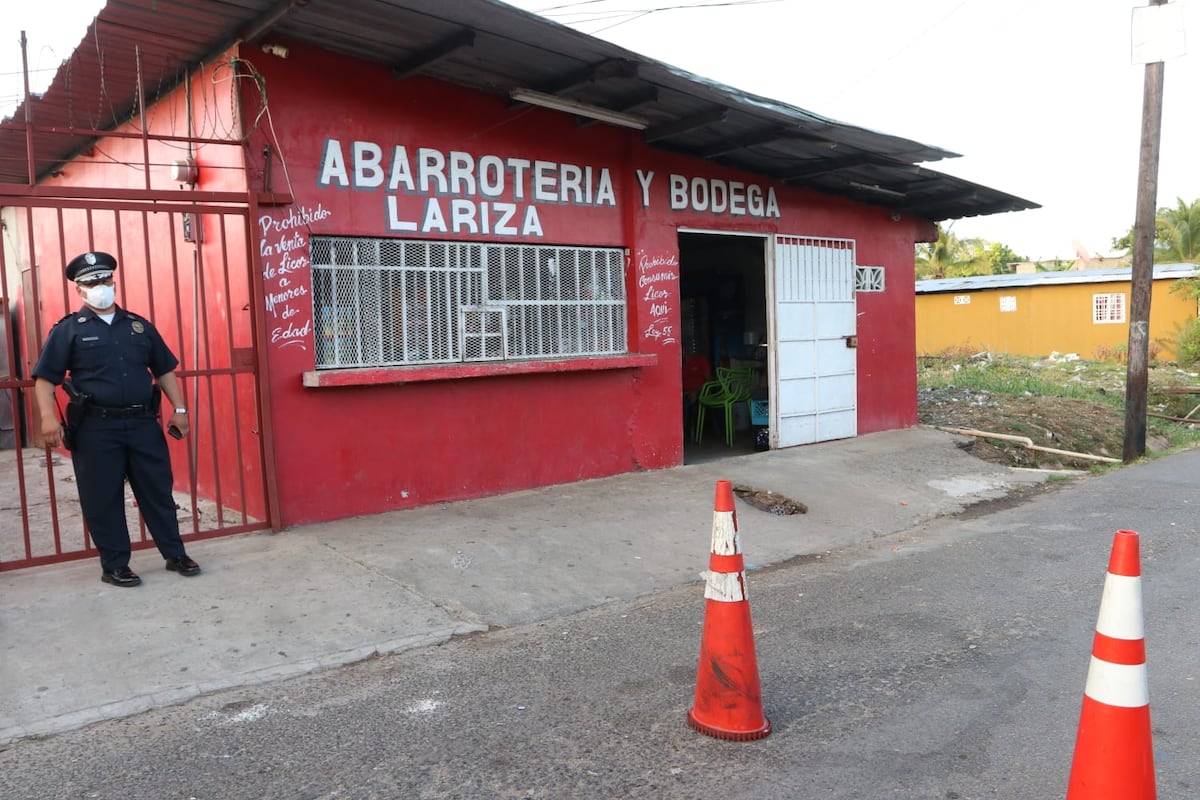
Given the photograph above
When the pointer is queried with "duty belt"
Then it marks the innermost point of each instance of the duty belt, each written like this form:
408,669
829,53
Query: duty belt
118,413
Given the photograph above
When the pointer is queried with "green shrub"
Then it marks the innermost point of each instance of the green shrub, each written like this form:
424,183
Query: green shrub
1018,375
1187,346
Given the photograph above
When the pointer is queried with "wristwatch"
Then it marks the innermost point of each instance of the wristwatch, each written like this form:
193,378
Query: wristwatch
180,410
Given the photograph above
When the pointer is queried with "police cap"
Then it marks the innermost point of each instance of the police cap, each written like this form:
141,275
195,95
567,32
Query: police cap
92,266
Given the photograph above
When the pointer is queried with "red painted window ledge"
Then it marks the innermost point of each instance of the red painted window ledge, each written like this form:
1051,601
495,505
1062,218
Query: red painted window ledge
376,376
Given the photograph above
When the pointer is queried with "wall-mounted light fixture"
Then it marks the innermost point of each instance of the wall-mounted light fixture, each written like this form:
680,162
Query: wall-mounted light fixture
277,50
569,106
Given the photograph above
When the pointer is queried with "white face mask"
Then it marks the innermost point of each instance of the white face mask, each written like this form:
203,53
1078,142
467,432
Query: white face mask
101,296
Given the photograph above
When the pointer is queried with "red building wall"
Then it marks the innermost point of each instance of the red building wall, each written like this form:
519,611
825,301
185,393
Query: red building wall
196,293
355,442
391,443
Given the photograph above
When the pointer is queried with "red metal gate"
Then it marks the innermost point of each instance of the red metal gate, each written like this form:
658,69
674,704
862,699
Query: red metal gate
187,267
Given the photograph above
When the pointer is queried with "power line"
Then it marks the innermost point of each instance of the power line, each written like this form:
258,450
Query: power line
630,15
697,4
903,48
18,73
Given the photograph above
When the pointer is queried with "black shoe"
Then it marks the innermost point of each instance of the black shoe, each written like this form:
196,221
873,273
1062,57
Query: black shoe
183,565
121,576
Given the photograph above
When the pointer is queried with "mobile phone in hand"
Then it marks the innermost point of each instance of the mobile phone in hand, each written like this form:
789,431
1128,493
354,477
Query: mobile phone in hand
174,431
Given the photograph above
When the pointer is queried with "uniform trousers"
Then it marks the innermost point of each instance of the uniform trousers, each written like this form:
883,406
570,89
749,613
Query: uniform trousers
109,450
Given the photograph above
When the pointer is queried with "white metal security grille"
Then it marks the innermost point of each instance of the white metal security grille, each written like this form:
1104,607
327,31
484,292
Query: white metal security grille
818,270
393,302
815,395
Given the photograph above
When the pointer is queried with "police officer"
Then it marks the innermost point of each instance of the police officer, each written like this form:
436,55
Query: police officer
112,355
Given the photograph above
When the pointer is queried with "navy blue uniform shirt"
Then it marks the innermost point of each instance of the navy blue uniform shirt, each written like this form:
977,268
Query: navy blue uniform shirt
113,363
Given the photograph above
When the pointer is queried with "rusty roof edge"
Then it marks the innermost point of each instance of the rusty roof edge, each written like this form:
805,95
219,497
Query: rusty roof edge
738,96
654,73
1001,201
916,152
108,16
898,147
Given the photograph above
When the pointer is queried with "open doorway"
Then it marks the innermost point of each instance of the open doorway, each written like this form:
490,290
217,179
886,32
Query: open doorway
723,301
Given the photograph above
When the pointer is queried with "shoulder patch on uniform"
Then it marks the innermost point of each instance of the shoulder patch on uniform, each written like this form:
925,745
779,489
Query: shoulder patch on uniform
64,319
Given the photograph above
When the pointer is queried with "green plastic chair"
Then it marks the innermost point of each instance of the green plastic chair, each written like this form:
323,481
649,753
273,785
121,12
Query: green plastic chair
731,386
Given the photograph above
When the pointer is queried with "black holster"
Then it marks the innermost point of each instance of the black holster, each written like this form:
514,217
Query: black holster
74,415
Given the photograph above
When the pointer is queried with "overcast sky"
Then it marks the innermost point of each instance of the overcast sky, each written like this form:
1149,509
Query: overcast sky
52,28
1039,96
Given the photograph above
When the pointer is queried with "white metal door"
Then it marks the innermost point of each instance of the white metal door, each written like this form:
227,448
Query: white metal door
815,391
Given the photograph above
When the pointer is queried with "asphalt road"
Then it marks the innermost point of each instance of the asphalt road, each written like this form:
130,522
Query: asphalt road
946,662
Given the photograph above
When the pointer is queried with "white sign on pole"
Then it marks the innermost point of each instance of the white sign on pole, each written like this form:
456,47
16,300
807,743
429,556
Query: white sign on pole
1158,33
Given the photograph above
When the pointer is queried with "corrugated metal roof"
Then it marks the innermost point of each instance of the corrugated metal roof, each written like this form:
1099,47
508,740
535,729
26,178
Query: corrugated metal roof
492,47
977,283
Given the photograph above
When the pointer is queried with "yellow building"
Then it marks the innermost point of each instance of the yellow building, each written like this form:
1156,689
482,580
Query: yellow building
1083,312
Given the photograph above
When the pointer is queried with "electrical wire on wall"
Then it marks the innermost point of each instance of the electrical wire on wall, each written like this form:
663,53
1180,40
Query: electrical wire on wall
237,64
194,420
197,227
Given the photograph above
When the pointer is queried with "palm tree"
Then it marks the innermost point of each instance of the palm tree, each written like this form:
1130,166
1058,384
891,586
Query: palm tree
1177,239
944,258
1177,233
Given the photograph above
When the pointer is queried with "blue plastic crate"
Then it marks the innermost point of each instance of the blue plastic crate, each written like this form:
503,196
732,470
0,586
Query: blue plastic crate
760,412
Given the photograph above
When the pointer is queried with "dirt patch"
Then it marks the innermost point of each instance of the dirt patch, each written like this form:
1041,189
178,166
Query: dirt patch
771,502
1060,423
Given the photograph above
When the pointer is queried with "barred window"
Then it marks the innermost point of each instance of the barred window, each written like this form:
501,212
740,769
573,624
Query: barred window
397,302
1108,308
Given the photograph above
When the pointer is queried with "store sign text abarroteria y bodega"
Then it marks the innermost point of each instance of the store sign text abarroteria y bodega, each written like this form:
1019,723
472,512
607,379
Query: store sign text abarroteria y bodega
432,191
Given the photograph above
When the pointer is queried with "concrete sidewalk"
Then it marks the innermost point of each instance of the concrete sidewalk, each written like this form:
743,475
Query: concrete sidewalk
75,651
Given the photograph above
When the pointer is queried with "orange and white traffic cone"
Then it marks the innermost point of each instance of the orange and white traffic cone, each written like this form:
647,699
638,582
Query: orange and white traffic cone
728,703
1114,755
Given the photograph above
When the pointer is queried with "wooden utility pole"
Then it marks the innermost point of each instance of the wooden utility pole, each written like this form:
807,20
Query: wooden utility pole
1142,277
